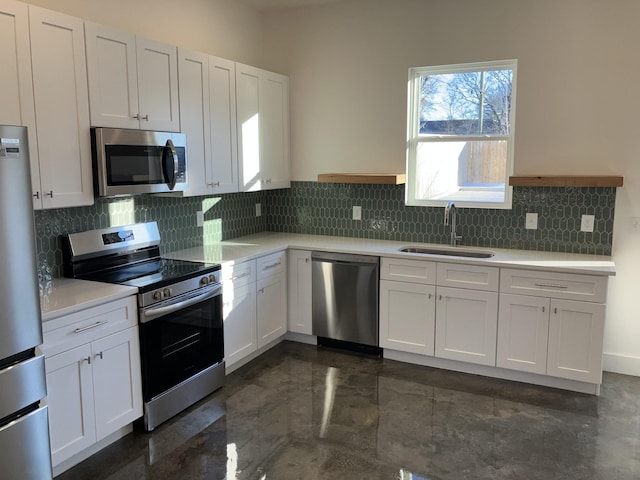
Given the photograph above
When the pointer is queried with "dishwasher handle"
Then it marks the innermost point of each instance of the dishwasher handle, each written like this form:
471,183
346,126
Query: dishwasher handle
332,257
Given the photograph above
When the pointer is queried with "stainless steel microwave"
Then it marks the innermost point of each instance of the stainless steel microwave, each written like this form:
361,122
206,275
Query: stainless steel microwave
131,162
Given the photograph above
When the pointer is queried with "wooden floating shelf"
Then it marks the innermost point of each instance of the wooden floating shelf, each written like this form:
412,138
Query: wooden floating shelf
374,178
566,181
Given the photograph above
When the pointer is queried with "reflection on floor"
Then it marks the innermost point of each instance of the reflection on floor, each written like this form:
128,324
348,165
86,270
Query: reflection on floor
299,412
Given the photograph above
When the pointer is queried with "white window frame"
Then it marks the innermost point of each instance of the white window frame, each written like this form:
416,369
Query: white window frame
414,138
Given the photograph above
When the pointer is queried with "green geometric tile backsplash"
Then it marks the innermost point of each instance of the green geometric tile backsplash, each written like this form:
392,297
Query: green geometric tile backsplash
225,216
326,209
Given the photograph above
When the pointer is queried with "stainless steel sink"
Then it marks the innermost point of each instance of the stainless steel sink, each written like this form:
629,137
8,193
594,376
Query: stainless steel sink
453,252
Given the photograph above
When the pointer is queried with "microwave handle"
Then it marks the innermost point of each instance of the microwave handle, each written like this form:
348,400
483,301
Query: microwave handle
170,164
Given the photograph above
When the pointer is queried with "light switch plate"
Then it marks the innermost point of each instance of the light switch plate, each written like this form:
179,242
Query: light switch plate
258,209
199,218
531,221
357,213
586,225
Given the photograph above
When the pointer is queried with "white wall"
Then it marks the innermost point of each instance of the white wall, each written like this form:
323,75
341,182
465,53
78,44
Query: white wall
224,28
577,98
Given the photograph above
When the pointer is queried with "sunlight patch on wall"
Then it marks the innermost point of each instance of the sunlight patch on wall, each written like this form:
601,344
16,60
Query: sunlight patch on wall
212,224
122,212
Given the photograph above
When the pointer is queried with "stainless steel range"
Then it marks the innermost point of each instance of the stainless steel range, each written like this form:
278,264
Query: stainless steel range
179,312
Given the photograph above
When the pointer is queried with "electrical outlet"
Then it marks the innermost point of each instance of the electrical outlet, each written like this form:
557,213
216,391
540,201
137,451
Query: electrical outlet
357,213
586,225
531,221
258,209
199,218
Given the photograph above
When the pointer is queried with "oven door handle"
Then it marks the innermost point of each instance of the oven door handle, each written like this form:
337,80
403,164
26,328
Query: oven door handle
153,313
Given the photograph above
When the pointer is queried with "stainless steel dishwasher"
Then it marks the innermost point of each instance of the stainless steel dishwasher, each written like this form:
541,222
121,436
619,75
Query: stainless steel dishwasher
345,297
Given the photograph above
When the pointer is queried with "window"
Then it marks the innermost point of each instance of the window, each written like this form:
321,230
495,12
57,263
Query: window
460,134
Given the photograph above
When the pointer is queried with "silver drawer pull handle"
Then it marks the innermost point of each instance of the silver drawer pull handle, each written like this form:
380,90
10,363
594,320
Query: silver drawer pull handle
550,285
89,327
273,265
246,274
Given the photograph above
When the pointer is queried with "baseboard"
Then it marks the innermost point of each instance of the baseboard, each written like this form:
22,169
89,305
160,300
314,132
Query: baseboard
495,372
95,448
301,338
624,364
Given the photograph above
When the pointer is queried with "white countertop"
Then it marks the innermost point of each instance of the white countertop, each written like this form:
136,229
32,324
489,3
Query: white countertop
252,246
69,295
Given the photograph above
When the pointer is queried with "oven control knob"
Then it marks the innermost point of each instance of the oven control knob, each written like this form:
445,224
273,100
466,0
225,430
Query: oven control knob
166,292
157,295
204,281
212,279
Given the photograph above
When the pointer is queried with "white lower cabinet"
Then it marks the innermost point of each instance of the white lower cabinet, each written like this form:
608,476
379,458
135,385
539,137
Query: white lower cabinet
299,294
422,314
407,316
239,303
255,306
466,325
523,329
240,337
576,333
552,330
271,297
93,374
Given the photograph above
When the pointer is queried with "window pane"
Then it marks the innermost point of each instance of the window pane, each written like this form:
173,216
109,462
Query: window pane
470,103
461,170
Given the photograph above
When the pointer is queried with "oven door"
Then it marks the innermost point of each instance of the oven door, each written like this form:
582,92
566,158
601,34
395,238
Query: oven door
179,338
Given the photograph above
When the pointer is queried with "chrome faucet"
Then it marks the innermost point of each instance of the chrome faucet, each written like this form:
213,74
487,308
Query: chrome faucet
450,213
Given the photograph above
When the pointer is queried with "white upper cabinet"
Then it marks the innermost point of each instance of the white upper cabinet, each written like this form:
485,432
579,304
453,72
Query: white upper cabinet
208,118
16,81
133,81
61,170
263,129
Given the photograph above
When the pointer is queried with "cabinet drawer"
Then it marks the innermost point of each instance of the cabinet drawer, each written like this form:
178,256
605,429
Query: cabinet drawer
472,277
88,325
568,286
403,270
272,264
239,274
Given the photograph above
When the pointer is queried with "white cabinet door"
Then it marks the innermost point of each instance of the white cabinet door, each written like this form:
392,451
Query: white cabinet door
247,108
262,100
193,72
157,85
208,118
113,76
133,81
407,316
223,173
576,331
240,336
271,308
466,325
71,403
523,330
117,381
62,109
16,81
274,127
299,294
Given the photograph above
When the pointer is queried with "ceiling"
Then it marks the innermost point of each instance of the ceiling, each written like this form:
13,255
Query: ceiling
265,5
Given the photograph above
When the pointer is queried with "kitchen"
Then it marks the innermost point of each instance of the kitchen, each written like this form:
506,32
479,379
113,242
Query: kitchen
380,40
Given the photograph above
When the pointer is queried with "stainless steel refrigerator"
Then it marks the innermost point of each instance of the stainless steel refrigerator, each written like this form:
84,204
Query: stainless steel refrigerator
24,429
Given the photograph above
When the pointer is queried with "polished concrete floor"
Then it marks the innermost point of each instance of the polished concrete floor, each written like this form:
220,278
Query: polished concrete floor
299,412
